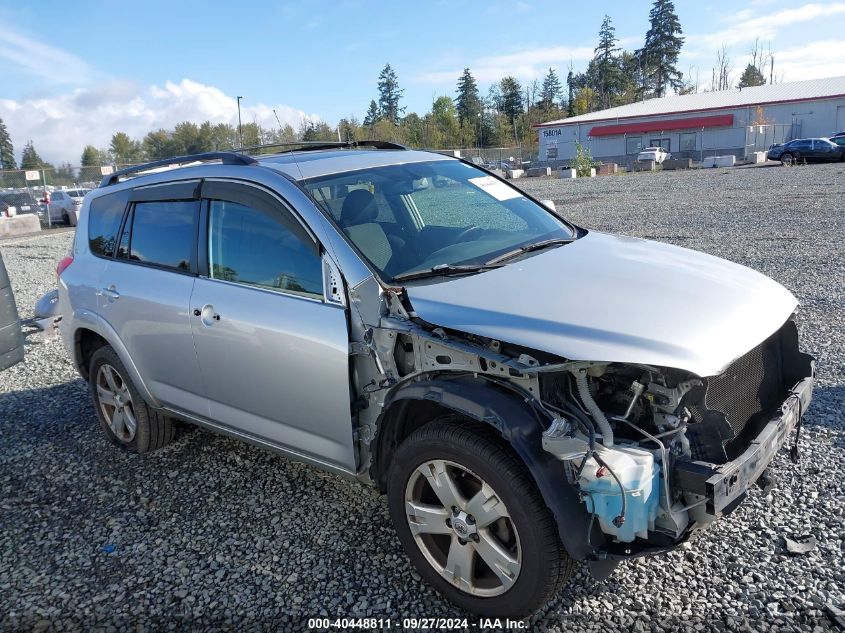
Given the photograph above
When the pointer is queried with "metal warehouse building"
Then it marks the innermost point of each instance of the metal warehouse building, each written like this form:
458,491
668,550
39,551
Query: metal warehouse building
737,122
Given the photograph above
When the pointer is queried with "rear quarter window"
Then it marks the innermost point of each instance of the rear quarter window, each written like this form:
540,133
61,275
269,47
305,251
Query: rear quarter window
104,217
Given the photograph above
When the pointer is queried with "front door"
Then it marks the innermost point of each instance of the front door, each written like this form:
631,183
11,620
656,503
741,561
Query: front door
273,355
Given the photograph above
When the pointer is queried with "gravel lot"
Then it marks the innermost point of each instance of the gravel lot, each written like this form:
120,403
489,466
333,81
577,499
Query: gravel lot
213,534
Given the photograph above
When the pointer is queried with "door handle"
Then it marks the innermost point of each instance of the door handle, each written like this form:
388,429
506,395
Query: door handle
207,313
110,293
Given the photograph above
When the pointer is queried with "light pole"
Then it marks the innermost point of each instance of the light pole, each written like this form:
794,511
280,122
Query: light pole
240,129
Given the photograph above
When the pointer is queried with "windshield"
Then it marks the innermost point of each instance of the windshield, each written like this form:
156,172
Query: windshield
442,213
76,193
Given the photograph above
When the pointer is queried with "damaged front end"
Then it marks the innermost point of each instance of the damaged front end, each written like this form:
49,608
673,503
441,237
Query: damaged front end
644,455
656,453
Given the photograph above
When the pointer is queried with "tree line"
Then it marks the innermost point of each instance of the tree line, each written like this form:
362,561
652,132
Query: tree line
504,117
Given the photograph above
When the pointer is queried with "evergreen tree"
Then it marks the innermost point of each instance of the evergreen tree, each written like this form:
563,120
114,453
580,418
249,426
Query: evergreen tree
30,158
512,101
751,76
7,150
389,95
606,63
372,115
550,92
468,101
659,54
570,101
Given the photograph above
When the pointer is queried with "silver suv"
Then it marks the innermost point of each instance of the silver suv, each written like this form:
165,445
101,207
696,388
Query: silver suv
527,393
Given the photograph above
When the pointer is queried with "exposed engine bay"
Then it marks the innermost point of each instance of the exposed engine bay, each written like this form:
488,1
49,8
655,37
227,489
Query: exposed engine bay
653,452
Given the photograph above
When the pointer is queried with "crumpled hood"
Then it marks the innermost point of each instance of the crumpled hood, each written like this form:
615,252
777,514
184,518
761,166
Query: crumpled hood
615,299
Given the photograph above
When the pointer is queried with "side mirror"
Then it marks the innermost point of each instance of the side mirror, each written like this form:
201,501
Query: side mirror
549,204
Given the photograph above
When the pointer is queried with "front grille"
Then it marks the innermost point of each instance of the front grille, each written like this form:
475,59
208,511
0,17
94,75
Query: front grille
751,385
735,405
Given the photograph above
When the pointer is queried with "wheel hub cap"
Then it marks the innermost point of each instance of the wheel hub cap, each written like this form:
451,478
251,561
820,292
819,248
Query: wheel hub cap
463,528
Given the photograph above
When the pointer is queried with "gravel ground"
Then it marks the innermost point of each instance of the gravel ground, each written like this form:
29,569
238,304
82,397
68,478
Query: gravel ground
213,534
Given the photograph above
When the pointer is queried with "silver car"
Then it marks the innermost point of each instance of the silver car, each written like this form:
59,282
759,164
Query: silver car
65,204
528,393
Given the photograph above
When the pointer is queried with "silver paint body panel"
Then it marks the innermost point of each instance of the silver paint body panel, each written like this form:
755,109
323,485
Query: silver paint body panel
616,299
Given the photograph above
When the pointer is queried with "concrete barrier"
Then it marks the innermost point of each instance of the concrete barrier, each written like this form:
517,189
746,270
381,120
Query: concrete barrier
513,174
592,172
677,163
719,161
19,225
758,157
607,169
566,173
535,172
643,165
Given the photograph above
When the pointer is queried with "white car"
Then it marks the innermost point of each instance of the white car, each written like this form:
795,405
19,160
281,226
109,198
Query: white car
657,154
65,204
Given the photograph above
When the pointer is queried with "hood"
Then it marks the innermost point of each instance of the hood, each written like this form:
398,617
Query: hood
615,299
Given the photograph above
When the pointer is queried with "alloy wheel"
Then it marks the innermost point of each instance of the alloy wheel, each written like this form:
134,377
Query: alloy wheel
116,403
463,528
787,159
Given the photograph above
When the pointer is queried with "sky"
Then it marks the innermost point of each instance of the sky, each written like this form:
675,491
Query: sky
73,73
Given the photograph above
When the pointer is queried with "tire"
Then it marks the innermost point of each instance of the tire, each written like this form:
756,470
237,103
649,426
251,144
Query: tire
108,378
787,160
480,468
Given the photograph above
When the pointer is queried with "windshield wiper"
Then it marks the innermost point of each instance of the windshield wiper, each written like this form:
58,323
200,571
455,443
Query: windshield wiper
536,246
442,270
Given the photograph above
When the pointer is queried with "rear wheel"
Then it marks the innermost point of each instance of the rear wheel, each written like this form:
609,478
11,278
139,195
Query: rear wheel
787,160
124,416
473,523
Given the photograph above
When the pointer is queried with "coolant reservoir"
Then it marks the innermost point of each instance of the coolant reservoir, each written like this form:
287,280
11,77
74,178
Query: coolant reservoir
639,475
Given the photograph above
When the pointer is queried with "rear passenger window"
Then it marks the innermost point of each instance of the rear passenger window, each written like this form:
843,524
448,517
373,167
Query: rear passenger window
253,247
163,233
104,216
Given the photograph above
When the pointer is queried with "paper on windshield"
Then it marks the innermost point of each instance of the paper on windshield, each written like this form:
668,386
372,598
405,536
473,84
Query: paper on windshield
495,188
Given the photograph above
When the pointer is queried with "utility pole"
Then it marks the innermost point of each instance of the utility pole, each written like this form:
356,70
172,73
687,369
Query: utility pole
240,128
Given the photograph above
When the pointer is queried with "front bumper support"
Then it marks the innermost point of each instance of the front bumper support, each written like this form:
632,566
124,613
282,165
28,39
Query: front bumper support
724,485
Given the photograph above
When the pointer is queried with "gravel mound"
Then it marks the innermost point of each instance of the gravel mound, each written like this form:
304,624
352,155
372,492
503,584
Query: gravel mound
216,535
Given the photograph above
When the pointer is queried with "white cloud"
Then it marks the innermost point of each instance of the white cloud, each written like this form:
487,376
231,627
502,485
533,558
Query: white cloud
748,24
810,61
27,53
526,64
61,125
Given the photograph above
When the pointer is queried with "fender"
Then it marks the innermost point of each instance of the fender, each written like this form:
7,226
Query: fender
494,402
90,320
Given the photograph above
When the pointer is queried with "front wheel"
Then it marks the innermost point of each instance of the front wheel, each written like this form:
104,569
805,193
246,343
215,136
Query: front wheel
473,523
787,160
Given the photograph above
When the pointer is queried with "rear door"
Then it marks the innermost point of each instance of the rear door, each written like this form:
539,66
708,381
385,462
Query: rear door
145,292
273,354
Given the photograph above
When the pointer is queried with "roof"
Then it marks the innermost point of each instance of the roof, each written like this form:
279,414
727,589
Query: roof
305,165
702,101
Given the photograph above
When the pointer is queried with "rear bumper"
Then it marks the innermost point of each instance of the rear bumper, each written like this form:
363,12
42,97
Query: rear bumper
723,486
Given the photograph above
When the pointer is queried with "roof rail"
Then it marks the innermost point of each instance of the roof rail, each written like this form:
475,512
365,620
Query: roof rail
227,158
312,146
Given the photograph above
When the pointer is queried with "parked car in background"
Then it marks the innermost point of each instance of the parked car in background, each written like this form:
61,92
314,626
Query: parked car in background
21,201
65,204
810,150
657,154
337,306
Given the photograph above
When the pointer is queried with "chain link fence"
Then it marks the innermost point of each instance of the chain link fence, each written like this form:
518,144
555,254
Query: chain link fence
25,191
500,158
